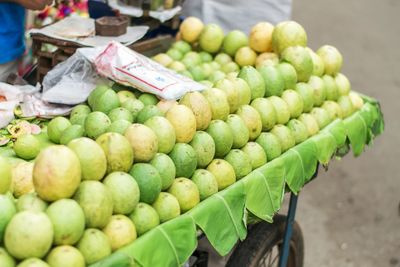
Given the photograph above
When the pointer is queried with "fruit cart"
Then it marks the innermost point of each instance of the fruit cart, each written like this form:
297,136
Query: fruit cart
239,215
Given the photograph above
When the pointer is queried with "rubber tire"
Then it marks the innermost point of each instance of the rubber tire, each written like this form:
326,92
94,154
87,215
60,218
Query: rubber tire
261,238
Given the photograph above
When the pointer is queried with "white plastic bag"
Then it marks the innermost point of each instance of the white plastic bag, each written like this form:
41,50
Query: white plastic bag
127,67
70,82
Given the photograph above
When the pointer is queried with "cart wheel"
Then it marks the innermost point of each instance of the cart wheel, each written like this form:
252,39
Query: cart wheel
263,245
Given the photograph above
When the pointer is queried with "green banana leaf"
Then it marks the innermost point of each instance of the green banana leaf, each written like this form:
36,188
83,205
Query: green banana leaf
221,218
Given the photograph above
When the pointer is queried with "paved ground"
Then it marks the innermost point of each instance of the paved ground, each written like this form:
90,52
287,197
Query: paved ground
350,216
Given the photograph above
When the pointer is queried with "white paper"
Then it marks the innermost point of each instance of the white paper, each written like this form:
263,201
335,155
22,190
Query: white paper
82,31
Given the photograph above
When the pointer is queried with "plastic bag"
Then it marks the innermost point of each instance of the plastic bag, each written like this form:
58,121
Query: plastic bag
71,81
127,67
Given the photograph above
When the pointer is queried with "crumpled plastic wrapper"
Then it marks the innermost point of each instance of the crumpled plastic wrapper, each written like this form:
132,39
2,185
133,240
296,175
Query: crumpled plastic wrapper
29,98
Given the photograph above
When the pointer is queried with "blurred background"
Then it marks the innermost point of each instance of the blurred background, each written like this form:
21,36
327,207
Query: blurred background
350,216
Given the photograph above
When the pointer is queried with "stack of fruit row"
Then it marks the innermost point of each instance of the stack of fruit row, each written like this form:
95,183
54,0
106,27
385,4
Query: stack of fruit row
128,162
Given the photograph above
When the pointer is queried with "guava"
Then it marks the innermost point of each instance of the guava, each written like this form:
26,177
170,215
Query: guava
94,245
118,126
239,130
230,67
211,38
321,116
240,162
346,105
55,128
218,102
288,34
205,56
294,102
96,124
307,94
71,133
31,202
8,210
255,81
145,218
332,59
134,106
166,168
311,124
80,110
190,29
298,129
143,141
267,59
216,76
271,145
200,107
186,192
177,66
120,230
68,221
165,105
343,84
149,181
223,172
301,60
334,110
357,101
33,262
332,91
318,86
164,131
252,119
118,151
27,147
256,154
185,159
5,259
289,74
206,183
267,112
22,179
204,147
233,41
285,136
182,46
148,112
5,174
96,202
222,136
124,190
243,90
281,109
57,173
29,234
184,122
148,99
245,56
106,101
120,114
65,256
175,54
167,206
273,80
260,39
161,58
319,67
99,90
222,59
231,93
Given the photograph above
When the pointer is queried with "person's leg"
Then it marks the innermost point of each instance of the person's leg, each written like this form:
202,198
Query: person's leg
8,68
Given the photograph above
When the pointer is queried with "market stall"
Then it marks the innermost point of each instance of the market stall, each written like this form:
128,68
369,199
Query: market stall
145,161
